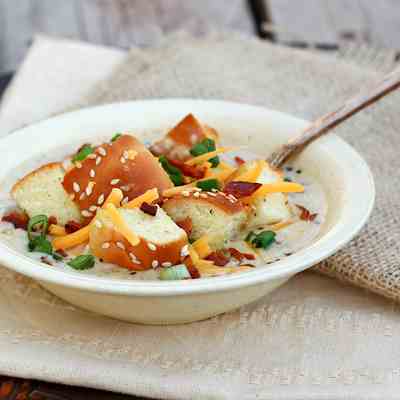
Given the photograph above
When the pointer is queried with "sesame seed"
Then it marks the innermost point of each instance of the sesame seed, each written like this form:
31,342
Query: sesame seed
82,196
154,264
196,189
105,245
114,181
92,173
100,199
151,246
134,258
122,159
125,200
185,193
92,156
212,194
98,224
120,245
203,196
125,154
166,264
76,187
232,201
78,165
89,188
102,151
185,251
93,208
214,190
86,213
125,188
196,194
98,160
232,197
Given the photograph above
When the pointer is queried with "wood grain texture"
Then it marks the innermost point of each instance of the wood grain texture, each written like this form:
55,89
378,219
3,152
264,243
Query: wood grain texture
120,23
373,22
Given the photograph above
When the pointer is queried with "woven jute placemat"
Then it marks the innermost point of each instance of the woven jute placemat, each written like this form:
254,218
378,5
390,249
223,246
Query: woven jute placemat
232,67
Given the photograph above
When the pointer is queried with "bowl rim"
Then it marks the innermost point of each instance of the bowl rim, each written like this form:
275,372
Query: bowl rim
339,235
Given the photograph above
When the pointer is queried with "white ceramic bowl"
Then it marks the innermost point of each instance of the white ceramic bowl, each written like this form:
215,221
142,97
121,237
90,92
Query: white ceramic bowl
342,172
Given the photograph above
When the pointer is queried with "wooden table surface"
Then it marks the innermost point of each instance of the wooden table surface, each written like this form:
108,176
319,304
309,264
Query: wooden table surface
124,23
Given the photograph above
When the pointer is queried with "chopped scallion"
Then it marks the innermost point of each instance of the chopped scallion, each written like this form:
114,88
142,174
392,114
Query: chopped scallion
175,273
40,244
83,153
38,221
116,136
205,146
84,261
208,184
263,239
174,173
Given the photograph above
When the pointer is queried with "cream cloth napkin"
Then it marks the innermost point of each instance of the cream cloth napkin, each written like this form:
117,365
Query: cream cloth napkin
313,338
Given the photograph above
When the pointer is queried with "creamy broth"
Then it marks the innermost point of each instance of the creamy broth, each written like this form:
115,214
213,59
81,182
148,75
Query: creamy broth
298,235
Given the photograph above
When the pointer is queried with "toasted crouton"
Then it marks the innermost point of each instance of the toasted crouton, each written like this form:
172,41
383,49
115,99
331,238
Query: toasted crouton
214,214
41,192
273,207
179,140
161,241
124,164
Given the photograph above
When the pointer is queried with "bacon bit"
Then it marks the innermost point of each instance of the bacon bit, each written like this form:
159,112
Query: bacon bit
218,258
72,226
189,170
18,219
305,214
45,260
241,189
186,224
52,220
239,161
238,255
62,253
150,209
193,271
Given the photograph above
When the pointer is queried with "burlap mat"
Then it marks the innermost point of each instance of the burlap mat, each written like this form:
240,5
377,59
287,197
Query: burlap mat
313,338
242,69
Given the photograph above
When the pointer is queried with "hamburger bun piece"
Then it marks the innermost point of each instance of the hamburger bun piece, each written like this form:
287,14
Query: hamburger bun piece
125,164
41,192
216,215
179,140
161,242
273,207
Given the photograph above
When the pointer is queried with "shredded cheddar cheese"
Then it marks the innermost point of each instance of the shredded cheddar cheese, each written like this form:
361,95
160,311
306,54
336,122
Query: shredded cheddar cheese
121,226
72,240
57,230
277,187
251,174
202,247
148,197
205,157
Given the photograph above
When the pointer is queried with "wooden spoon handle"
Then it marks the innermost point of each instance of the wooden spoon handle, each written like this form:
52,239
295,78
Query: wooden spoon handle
330,120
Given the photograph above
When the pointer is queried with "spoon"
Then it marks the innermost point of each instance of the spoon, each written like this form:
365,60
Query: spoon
325,123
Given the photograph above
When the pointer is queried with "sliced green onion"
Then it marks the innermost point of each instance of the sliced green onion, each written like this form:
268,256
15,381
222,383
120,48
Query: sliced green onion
209,184
116,136
83,153
84,261
250,236
40,244
174,173
264,239
205,146
175,273
39,221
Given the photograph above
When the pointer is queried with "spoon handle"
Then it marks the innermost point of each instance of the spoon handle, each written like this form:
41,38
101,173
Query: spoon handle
328,121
